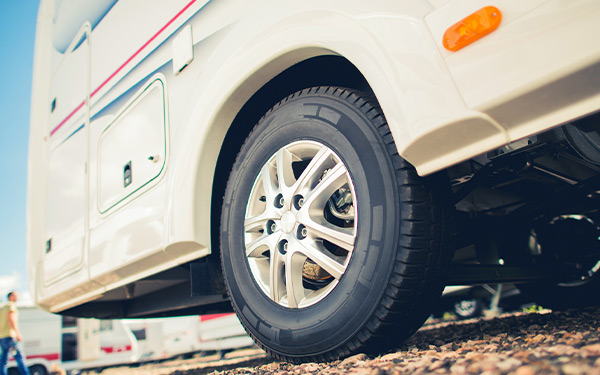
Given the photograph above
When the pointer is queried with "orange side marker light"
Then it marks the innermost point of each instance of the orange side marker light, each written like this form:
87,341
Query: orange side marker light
472,28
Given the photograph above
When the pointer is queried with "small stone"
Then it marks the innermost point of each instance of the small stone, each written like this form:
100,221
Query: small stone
274,366
474,356
488,365
593,350
574,369
392,357
538,339
376,371
523,356
449,355
436,365
464,350
509,364
311,367
350,361
458,369
362,371
560,350
525,370
490,348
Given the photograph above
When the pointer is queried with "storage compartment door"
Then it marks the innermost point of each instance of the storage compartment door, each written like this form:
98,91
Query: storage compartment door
67,180
132,149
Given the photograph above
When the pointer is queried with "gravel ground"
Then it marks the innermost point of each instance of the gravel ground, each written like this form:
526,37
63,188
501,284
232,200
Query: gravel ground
523,344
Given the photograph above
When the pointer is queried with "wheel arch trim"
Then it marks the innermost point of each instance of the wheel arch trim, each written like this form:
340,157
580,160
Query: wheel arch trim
410,80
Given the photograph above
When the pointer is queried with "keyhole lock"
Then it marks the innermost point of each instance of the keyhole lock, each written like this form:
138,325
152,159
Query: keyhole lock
127,176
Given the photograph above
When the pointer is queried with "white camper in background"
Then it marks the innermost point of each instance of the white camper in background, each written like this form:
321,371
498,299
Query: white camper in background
180,335
164,338
169,337
114,344
149,335
51,340
222,332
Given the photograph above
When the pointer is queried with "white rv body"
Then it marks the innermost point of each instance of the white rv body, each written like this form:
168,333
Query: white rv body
140,109
104,236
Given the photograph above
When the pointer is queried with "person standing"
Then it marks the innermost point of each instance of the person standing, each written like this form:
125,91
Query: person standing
10,335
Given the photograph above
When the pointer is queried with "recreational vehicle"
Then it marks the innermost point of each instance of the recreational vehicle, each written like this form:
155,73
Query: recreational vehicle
164,338
323,168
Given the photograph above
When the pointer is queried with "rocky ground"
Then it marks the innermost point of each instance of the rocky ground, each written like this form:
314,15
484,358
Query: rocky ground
523,344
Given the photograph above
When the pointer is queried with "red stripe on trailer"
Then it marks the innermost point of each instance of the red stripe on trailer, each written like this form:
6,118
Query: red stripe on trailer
123,65
116,349
204,318
47,357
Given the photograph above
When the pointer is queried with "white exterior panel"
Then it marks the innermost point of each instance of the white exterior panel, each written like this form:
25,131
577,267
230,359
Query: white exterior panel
441,107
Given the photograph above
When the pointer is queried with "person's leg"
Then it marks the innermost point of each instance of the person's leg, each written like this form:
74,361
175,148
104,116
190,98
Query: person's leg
23,370
4,346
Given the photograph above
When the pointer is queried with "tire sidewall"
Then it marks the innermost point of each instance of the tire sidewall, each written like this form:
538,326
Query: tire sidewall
342,313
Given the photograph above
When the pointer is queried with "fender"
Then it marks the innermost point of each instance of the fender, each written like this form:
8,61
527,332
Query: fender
402,72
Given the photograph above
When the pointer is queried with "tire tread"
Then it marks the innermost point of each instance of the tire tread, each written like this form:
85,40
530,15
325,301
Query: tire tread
418,274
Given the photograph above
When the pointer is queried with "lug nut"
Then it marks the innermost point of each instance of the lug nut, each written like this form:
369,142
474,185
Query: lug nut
271,227
302,232
283,246
279,201
298,201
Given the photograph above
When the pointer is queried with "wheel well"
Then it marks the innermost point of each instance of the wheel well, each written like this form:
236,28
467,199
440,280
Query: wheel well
316,71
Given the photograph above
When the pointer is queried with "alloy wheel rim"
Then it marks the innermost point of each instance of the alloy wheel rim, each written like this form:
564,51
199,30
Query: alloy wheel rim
300,224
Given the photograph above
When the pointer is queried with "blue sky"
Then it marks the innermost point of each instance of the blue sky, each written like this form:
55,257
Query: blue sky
17,25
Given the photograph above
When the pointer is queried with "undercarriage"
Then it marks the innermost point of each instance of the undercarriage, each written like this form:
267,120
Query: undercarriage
529,212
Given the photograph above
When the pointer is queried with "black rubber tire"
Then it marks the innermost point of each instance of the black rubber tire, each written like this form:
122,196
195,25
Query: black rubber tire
469,308
38,370
565,243
397,271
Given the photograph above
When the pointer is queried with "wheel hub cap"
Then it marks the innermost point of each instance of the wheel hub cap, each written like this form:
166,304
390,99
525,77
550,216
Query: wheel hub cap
298,237
288,222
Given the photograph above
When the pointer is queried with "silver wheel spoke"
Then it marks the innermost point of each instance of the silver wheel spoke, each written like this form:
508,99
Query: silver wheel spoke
276,280
257,247
293,278
313,171
255,223
333,180
285,173
269,183
342,237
